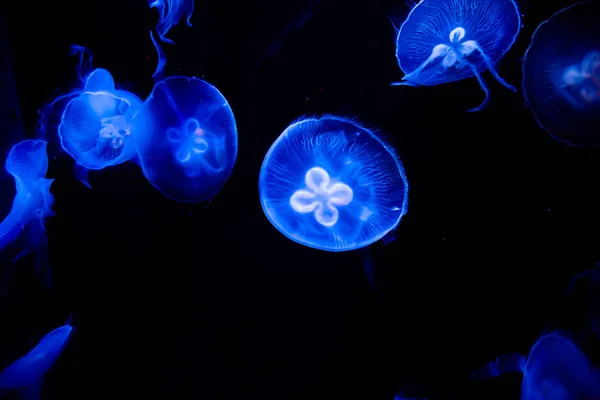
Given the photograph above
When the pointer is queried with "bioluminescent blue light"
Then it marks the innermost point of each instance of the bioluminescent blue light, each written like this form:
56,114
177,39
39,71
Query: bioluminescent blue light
445,41
555,369
187,141
25,375
561,75
95,125
331,184
27,162
170,13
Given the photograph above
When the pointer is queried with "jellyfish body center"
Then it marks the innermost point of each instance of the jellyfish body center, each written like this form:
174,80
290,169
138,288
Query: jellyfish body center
115,130
189,142
321,196
584,79
457,51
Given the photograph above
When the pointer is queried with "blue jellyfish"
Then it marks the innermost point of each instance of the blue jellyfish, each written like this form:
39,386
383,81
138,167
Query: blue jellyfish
555,369
186,138
445,41
95,127
27,162
171,12
593,276
331,184
561,75
25,375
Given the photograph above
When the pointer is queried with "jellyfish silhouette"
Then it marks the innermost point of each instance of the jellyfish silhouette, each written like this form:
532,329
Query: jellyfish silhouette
561,75
331,184
555,369
170,13
444,41
593,277
95,126
25,375
187,141
27,162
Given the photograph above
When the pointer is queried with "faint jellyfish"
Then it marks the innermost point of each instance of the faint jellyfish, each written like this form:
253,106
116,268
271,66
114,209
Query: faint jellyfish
25,375
27,162
561,75
170,13
187,141
593,276
556,369
331,184
95,127
445,41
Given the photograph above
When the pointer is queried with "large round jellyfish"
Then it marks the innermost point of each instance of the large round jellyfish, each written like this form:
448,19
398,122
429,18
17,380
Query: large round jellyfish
95,126
561,75
556,369
331,184
187,141
445,41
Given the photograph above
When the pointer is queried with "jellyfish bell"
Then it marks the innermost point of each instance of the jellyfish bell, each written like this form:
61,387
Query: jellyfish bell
561,75
95,126
555,369
25,375
331,184
444,41
187,141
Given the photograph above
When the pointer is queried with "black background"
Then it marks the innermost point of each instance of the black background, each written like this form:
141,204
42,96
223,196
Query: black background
176,301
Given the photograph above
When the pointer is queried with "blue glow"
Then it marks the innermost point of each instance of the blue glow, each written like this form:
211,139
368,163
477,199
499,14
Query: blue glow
95,126
445,41
187,141
331,184
27,162
25,374
593,275
555,369
170,13
561,75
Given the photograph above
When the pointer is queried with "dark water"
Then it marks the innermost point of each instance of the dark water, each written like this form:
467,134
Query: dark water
209,301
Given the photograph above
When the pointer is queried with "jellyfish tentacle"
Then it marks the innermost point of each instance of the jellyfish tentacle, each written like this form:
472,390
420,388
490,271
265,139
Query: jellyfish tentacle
483,86
471,46
504,364
441,50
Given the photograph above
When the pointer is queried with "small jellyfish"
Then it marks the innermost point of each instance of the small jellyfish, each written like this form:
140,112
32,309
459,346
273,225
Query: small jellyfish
331,184
186,138
556,369
171,12
95,127
445,41
27,162
25,375
561,75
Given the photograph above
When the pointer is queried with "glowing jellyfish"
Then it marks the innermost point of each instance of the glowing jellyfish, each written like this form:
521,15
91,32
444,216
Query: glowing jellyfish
187,144
331,184
27,162
555,370
171,12
445,41
561,75
95,127
25,375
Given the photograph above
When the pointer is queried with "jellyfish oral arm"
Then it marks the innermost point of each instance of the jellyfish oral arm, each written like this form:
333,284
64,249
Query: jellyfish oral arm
504,364
321,197
439,51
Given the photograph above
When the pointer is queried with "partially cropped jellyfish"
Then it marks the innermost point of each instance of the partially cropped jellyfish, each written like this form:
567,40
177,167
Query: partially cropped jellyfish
27,162
556,369
95,127
561,75
445,41
25,375
187,141
593,276
171,12
331,184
